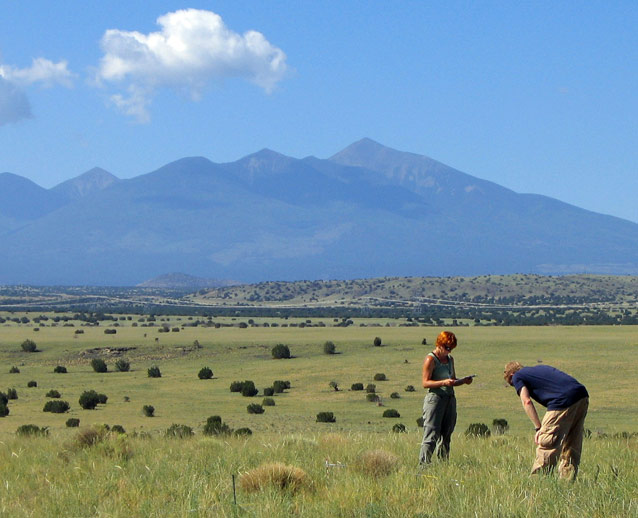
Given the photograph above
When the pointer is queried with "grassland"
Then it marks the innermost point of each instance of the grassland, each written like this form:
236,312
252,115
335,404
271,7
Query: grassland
150,475
593,354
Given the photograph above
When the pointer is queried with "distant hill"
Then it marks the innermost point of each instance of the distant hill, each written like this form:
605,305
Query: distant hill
368,211
184,281
477,292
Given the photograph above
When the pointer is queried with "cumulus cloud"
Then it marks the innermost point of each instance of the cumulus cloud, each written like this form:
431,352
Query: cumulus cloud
192,49
14,104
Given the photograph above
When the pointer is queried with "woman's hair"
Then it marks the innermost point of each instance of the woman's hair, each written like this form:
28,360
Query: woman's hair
510,369
446,338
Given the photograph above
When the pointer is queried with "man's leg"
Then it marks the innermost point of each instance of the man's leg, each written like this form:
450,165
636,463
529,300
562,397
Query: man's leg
573,441
550,440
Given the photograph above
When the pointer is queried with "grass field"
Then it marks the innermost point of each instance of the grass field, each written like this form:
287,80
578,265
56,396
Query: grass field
594,355
135,476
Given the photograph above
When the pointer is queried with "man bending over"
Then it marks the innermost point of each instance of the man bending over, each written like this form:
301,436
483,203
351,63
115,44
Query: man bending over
560,434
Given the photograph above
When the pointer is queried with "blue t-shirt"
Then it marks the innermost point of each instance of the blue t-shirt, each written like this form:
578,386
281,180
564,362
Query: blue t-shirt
550,387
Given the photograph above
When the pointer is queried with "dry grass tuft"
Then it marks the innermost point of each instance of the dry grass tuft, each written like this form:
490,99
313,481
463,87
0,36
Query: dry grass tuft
332,440
377,463
277,475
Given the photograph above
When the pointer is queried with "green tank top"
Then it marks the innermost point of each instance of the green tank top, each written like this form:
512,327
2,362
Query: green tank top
442,371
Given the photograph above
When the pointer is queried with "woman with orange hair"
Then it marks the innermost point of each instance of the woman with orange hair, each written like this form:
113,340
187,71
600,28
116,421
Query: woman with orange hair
439,405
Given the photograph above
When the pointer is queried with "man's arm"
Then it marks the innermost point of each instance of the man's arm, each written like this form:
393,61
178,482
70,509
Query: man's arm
530,410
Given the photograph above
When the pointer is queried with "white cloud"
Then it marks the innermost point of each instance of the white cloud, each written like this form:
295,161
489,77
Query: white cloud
14,104
193,49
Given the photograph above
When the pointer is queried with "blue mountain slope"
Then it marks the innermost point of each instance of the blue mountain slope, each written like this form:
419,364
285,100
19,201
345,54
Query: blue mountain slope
21,199
368,211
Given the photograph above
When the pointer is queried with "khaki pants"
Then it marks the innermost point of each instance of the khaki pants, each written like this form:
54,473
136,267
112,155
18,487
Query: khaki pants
561,436
439,420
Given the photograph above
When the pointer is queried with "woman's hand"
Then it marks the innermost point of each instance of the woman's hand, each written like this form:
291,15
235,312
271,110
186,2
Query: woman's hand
468,380
448,382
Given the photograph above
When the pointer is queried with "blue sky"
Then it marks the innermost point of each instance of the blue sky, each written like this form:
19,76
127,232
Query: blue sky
539,97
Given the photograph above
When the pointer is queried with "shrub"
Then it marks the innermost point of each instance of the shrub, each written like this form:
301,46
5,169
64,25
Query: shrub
29,346
60,369
91,436
419,422
236,386
379,376
72,422
280,351
215,426
372,397
53,393
148,410
14,370
248,389
333,385
56,407
179,431
32,384
99,365
116,428
279,386
477,430
243,431
4,410
357,386
275,475
12,393
377,342
122,365
371,388
329,347
395,395
89,399
154,372
110,331
27,430
102,399
391,412
410,388
398,428
377,463
268,401
500,426
205,373
269,391
4,399
326,417
255,408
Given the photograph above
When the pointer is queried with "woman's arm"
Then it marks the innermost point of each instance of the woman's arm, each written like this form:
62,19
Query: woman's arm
428,382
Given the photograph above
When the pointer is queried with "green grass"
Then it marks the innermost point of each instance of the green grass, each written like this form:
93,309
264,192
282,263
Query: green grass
594,355
179,478
133,476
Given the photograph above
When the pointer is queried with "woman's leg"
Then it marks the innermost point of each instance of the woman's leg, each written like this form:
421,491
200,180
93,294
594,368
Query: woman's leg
447,427
433,411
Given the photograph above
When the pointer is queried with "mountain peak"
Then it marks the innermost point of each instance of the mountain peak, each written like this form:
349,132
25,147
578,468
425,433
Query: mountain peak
265,160
93,180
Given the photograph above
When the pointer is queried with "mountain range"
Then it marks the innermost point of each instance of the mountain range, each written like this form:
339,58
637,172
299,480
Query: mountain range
367,211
